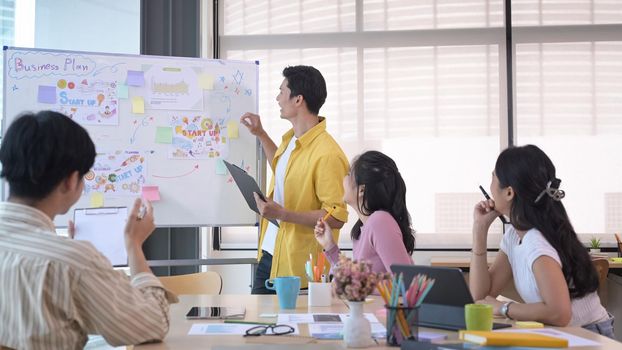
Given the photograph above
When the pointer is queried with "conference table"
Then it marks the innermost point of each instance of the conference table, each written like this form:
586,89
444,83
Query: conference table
464,262
257,305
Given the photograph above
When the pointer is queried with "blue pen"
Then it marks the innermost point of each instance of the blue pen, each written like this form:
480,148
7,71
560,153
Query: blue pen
425,292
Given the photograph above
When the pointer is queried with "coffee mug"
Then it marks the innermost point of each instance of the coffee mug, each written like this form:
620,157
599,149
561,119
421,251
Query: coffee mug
478,317
286,288
320,294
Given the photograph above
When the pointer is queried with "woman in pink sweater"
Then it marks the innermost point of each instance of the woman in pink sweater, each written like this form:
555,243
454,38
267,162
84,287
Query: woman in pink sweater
374,188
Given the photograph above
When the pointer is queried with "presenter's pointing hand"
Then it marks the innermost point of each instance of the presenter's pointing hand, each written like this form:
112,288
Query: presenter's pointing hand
269,209
253,123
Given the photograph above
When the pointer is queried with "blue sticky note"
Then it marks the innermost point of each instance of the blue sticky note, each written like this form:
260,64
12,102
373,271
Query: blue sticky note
221,169
135,78
122,91
47,94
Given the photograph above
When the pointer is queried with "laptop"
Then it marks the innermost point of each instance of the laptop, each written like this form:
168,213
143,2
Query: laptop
443,307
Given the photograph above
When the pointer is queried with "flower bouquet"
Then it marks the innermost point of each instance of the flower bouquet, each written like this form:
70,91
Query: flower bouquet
354,281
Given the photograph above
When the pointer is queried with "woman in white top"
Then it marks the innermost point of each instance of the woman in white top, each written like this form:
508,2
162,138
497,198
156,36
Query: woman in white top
552,270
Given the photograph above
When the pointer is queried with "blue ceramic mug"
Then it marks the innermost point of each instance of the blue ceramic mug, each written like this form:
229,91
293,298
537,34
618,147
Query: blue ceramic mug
286,288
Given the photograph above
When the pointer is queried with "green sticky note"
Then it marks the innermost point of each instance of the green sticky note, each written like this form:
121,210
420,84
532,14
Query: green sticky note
164,134
122,91
221,169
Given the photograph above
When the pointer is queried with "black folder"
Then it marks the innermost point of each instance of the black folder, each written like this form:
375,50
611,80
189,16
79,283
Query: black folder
247,186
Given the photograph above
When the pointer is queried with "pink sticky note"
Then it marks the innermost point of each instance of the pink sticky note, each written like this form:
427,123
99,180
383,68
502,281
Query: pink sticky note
151,193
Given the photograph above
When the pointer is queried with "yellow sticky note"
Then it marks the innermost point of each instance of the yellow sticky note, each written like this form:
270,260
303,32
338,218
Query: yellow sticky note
97,200
138,105
529,324
232,129
206,81
223,139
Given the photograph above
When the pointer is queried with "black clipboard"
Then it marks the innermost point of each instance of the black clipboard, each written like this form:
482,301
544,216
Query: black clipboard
247,186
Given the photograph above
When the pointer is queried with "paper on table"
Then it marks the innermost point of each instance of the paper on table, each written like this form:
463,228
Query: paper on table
46,94
135,78
225,329
315,317
335,330
138,105
151,193
573,340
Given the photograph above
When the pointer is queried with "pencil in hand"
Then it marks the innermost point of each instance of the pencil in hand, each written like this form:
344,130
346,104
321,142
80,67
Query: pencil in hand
330,212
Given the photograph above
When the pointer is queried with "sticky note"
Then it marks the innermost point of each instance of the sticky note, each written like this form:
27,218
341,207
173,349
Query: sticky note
138,105
164,134
97,200
223,139
221,169
47,94
135,78
151,193
529,324
206,81
232,129
122,91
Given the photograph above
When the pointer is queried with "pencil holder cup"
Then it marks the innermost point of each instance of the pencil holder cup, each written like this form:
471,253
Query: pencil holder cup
401,324
320,294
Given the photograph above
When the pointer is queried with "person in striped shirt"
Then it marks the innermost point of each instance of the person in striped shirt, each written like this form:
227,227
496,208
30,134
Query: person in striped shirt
56,290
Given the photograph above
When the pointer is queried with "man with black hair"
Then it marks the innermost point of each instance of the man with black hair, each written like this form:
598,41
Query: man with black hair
308,168
56,290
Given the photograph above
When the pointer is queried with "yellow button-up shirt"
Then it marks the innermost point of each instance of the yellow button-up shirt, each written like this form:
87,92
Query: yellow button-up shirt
313,180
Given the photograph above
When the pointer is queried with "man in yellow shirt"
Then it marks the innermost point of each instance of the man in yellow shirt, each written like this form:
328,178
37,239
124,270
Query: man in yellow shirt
308,168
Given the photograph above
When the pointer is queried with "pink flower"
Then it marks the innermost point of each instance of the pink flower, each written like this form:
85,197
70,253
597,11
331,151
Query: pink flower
354,280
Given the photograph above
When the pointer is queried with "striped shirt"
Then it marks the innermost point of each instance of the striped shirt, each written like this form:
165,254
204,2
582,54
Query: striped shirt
54,290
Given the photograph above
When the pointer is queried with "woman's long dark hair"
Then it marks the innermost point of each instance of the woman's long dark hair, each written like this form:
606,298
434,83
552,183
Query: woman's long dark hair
384,190
528,170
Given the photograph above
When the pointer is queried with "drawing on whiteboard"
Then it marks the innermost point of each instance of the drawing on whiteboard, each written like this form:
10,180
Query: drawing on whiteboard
195,168
88,102
238,76
197,137
117,173
173,88
137,125
31,65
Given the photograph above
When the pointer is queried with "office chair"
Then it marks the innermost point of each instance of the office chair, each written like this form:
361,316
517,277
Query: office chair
602,267
195,283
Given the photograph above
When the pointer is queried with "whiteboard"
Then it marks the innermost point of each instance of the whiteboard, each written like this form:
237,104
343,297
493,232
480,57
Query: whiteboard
161,126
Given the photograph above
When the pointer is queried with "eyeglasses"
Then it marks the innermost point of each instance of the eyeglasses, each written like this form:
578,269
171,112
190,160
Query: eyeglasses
275,329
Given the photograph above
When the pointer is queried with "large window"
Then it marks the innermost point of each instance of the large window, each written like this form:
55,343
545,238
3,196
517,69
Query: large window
417,80
425,81
569,101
